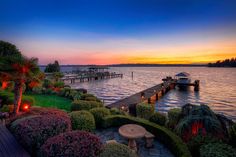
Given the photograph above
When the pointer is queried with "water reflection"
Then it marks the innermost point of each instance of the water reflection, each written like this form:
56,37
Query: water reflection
217,87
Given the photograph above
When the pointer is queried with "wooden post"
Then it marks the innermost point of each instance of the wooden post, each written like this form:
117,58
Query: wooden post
157,96
149,100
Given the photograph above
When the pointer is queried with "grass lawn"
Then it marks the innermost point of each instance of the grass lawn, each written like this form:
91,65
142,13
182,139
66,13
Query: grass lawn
53,101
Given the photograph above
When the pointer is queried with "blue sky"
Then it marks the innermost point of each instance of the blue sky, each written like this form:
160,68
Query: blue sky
118,28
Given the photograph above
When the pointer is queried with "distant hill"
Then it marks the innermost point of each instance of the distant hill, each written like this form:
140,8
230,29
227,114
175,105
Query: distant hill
224,63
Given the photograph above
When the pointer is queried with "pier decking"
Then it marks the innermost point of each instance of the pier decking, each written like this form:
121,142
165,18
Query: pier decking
149,95
9,146
73,78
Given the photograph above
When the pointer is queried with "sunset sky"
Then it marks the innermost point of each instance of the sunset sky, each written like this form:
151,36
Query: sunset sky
121,31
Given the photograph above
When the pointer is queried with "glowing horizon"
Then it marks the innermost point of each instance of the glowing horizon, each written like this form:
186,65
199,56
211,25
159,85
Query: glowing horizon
121,32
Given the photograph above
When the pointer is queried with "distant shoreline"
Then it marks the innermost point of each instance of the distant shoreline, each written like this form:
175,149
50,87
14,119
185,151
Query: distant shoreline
139,65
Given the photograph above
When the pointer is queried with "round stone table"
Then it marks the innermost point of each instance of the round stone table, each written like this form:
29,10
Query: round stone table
132,132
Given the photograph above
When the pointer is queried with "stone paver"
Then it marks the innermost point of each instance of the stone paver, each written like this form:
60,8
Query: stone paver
158,150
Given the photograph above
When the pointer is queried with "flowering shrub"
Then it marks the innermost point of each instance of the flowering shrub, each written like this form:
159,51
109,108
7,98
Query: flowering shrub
82,120
117,150
99,113
72,144
33,132
42,111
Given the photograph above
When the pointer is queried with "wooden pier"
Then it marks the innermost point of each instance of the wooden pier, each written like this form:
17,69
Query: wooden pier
150,95
73,78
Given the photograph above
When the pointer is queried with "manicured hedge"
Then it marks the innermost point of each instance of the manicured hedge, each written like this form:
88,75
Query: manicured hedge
117,150
167,137
144,110
158,118
72,144
82,120
217,150
85,105
174,117
99,113
89,97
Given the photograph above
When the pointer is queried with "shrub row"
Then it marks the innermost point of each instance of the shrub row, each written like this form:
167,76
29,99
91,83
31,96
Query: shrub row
70,93
117,150
167,137
82,120
217,150
99,113
72,144
85,105
90,97
158,118
144,110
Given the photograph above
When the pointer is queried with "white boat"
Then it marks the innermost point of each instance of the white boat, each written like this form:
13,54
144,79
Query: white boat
183,79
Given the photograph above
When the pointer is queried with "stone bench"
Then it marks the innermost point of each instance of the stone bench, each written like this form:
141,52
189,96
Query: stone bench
149,139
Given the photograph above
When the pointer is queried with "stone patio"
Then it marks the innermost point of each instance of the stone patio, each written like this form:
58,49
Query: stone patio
158,150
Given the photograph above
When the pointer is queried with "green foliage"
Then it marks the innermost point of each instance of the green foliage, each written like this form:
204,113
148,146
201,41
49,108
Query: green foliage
116,111
89,97
52,101
8,49
196,142
217,150
173,117
158,118
84,105
70,93
59,84
50,68
164,135
144,110
202,115
47,83
8,98
82,120
99,113
37,90
7,108
117,150
232,134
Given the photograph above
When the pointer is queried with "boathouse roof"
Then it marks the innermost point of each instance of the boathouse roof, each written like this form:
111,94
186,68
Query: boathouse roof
183,74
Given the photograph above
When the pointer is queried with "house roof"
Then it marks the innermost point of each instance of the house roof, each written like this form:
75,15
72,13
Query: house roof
183,74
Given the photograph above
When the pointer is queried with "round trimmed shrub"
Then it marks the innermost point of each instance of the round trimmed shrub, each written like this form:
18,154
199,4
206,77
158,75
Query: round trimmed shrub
85,105
99,113
173,117
89,97
144,110
116,111
217,150
196,142
72,144
158,118
117,150
82,120
33,132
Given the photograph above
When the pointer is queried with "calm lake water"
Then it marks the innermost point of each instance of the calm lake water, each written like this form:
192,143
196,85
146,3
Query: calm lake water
217,87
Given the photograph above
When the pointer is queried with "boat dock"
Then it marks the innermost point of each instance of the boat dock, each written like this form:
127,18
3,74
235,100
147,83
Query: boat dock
75,78
150,95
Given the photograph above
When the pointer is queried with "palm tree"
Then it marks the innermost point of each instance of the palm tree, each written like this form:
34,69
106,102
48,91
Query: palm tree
20,69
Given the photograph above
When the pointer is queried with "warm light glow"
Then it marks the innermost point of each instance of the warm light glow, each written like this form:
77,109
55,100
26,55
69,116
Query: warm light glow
26,107
4,84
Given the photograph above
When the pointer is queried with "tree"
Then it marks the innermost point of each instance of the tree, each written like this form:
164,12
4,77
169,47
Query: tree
8,49
50,68
19,69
